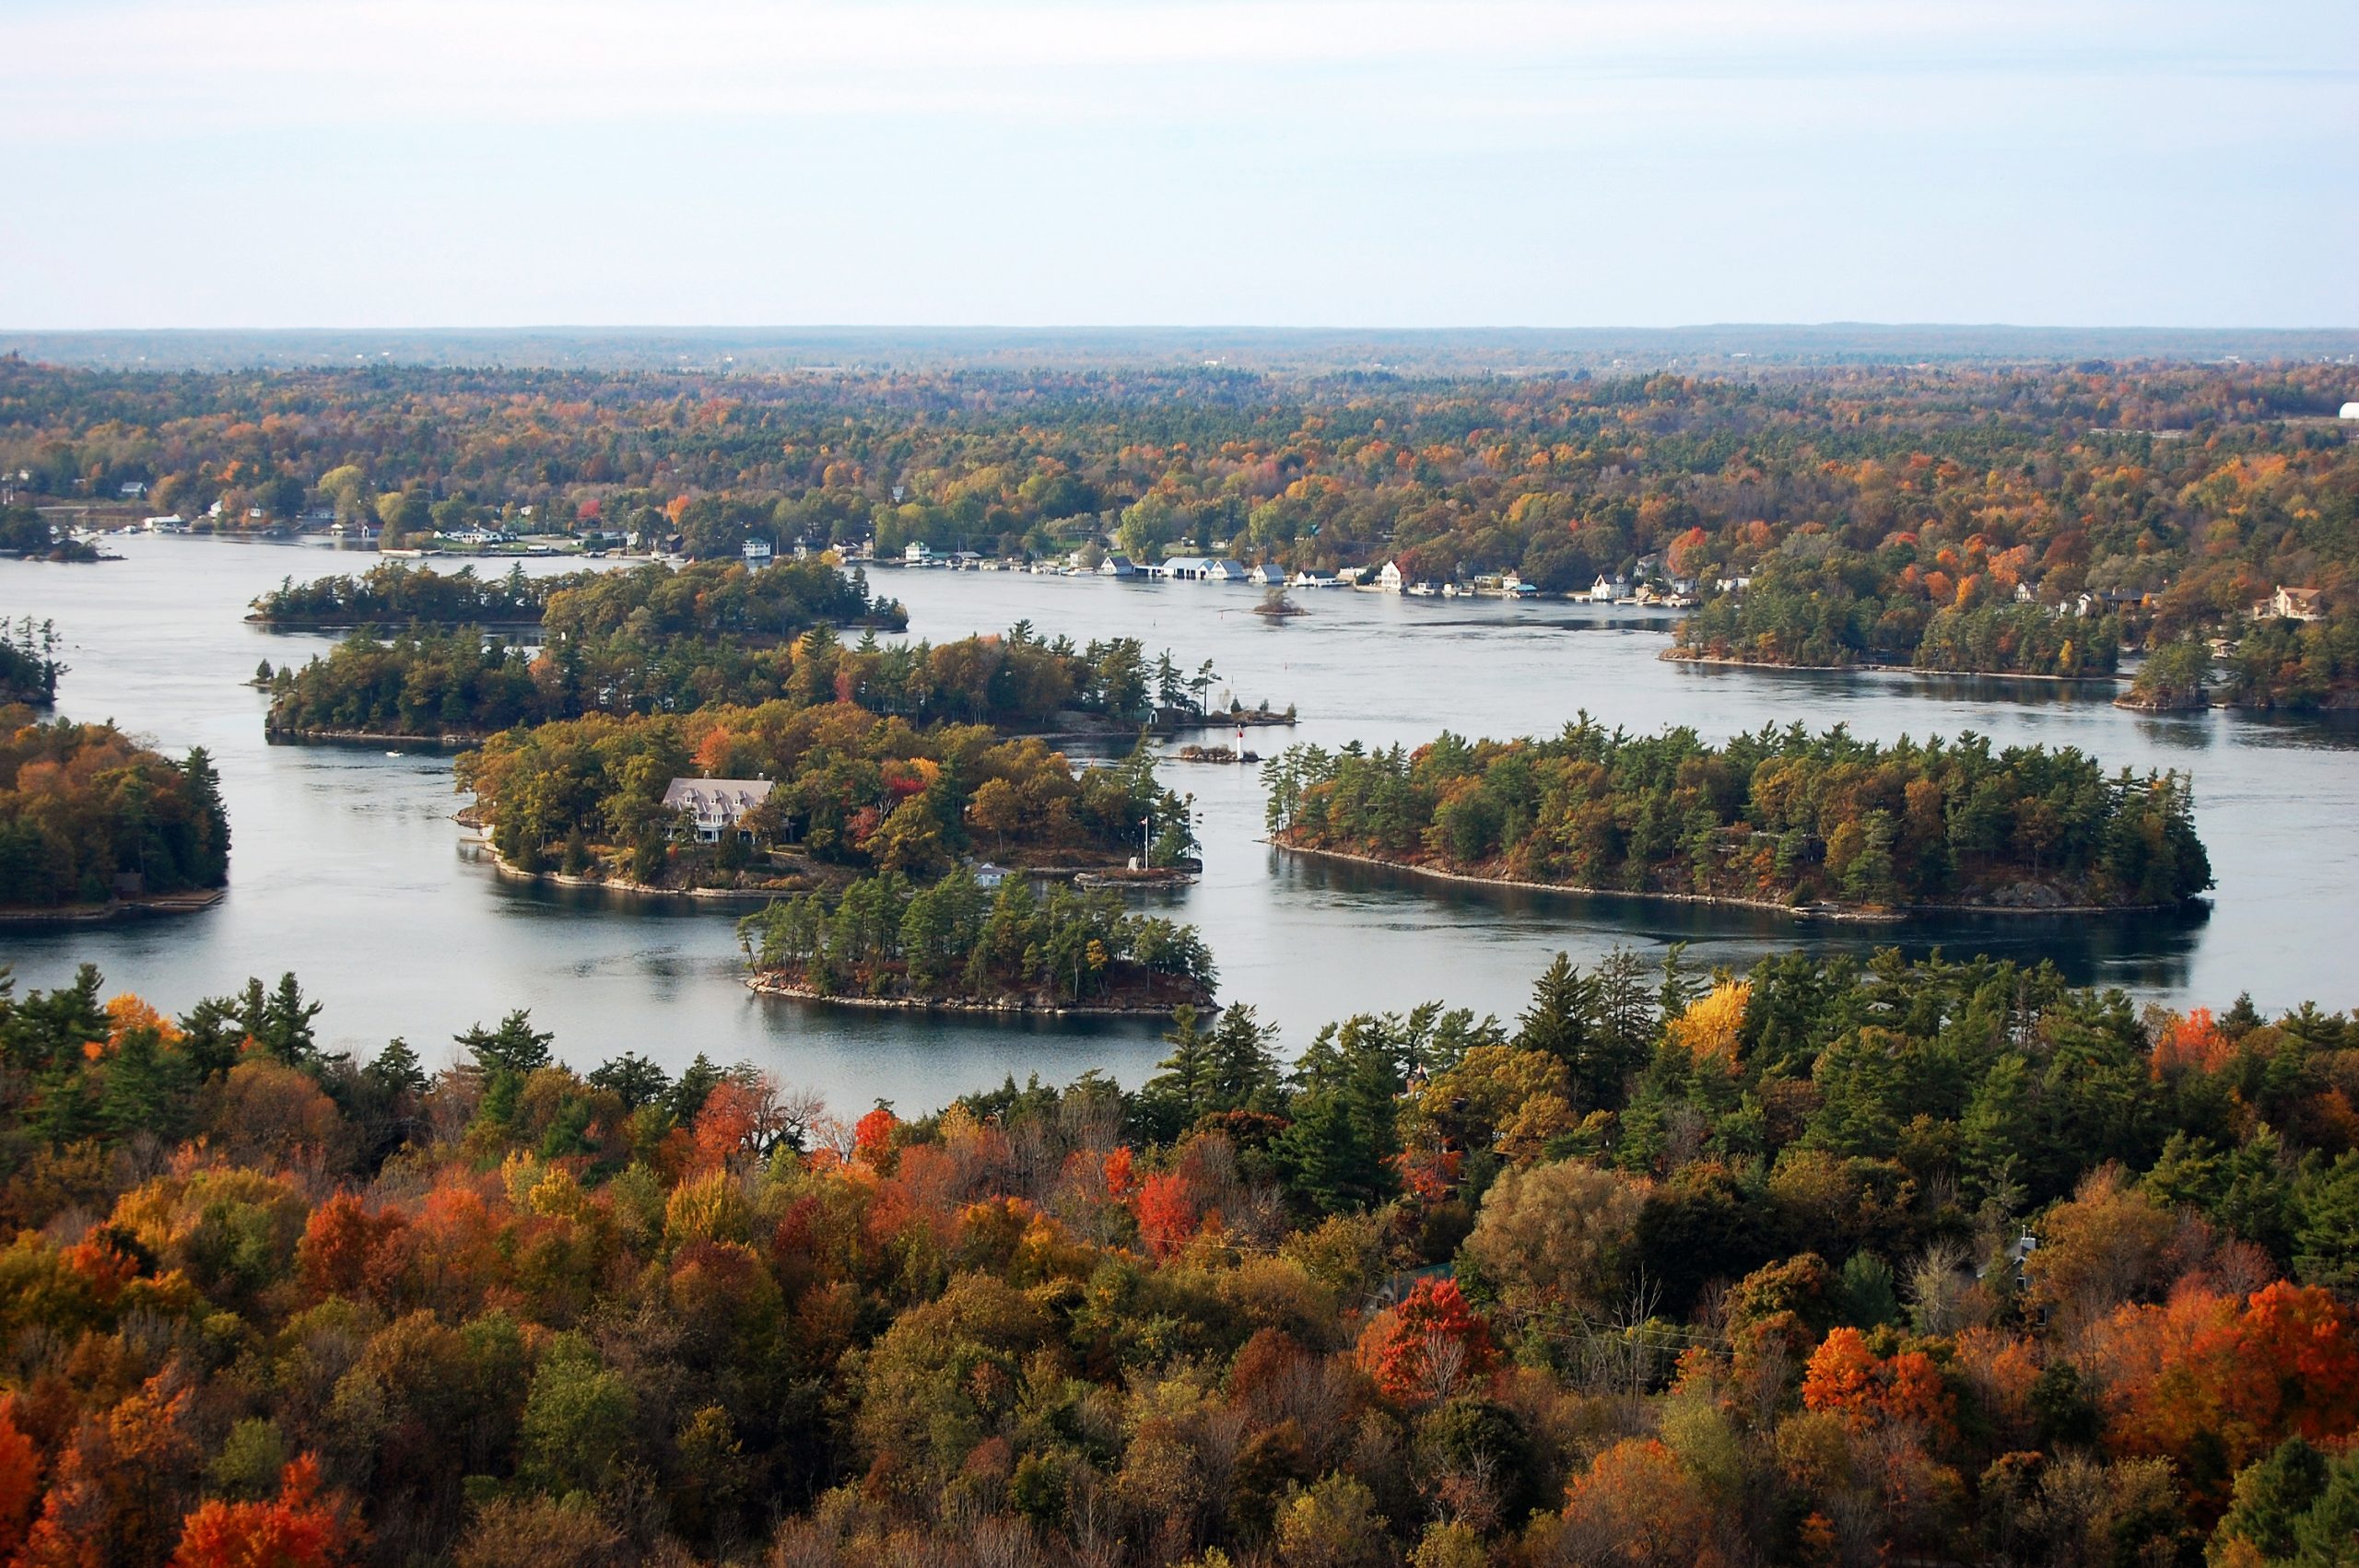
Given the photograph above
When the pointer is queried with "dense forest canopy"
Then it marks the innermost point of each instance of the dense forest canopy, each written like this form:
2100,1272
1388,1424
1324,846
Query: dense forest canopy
1784,816
87,815
1829,1262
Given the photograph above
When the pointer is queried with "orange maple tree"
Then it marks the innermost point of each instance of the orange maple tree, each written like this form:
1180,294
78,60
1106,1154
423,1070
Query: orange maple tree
297,1530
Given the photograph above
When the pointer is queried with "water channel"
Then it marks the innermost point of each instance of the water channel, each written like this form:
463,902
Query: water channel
348,869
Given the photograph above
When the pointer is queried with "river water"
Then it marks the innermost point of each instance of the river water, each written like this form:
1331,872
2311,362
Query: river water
348,869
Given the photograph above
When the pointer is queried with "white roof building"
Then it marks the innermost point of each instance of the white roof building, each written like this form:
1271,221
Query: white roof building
1204,568
716,803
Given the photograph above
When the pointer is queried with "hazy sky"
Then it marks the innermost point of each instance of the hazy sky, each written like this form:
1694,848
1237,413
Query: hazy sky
1288,162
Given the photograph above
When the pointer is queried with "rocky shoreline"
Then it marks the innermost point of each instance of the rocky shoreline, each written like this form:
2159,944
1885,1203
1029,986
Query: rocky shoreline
134,909
1675,656
770,984
1850,914
367,738
501,864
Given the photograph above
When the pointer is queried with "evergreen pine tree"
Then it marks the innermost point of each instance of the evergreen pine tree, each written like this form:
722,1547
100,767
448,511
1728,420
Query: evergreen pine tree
397,1070
697,1081
515,1046
1181,1089
1245,1063
1338,1154
210,865
634,1079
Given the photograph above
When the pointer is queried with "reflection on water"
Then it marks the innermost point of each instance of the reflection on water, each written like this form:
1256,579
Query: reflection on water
2147,952
348,870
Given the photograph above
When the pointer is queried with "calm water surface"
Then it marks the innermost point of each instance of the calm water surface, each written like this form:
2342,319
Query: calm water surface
348,869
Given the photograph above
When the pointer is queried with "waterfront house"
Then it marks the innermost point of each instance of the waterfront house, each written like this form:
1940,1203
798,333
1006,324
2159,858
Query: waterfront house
1204,568
1609,589
919,554
1118,566
715,805
1309,578
1389,579
2288,604
1269,574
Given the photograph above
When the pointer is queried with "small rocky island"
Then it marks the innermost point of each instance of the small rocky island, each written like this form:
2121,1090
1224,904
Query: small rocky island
961,945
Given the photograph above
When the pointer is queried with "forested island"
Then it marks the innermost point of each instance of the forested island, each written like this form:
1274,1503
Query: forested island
1783,817
847,790
643,640
881,942
393,593
1830,1261
91,822
24,531
653,640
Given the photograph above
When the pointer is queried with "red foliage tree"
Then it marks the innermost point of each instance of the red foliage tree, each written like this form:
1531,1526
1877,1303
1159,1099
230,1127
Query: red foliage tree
20,1479
1167,1212
342,1252
1121,1176
727,1120
872,1137
1429,1346
297,1529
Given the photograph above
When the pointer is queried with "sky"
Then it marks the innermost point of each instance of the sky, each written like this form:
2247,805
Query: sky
1367,163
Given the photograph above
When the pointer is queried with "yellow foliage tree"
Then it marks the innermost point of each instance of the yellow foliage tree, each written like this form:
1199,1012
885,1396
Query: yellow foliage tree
1707,1031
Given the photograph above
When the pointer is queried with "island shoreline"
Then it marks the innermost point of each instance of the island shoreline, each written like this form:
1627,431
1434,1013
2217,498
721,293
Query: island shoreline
768,984
189,902
1673,656
1846,914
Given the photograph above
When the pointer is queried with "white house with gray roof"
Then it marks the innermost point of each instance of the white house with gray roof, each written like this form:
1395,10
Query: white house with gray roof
717,804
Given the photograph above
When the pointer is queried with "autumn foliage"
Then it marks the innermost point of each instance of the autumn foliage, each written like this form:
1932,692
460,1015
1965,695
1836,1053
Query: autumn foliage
297,1529
1673,1272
